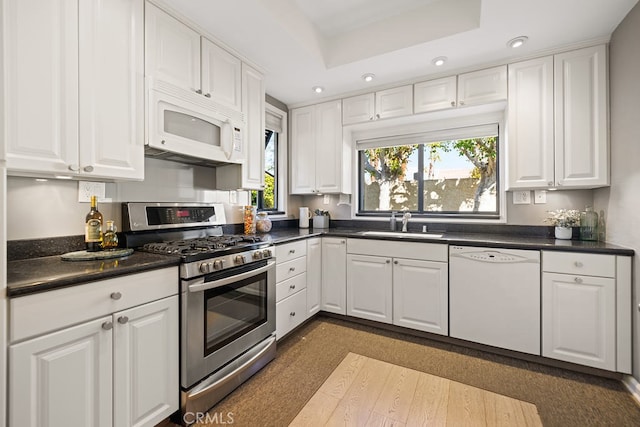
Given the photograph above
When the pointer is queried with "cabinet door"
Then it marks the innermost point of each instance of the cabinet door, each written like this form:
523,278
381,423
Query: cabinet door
291,312
358,109
394,102
253,102
63,378
581,134
303,151
328,147
434,95
421,295
530,151
221,75
369,287
579,319
481,87
41,85
173,50
112,89
334,275
314,275
146,347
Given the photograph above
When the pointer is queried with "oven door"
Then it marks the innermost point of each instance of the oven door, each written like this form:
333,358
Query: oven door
223,315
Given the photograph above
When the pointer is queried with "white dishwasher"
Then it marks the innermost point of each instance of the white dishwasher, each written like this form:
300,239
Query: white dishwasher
494,297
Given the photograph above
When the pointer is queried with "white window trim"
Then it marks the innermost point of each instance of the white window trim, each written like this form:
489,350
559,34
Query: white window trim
283,173
433,122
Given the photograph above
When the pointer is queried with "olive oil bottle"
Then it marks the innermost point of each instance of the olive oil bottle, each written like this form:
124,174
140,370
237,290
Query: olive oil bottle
93,227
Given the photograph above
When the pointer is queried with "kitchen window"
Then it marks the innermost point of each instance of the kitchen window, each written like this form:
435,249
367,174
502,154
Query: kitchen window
272,198
448,173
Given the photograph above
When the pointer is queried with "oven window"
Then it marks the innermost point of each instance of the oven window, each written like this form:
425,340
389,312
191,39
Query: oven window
191,127
234,310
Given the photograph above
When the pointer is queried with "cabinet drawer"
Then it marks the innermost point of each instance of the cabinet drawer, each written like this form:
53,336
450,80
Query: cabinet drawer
47,311
410,250
290,312
289,251
290,286
291,268
578,263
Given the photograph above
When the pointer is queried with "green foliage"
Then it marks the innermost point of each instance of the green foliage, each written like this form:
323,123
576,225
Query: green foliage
268,193
388,163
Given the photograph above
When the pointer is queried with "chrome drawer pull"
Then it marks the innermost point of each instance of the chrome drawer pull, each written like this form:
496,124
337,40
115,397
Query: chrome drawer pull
292,269
292,286
292,314
578,280
107,325
578,264
123,319
116,295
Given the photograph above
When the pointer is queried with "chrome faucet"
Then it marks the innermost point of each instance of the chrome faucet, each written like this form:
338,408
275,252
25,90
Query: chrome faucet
405,221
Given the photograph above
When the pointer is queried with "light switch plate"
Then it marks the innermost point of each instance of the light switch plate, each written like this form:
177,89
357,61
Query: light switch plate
86,189
522,197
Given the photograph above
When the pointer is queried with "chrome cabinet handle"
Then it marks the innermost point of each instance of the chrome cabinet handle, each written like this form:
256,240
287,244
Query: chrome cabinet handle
208,95
461,102
88,168
199,91
377,116
116,295
74,168
388,261
578,264
292,269
550,183
453,103
292,286
123,319
292,251
342,242
292,314
577,280
107,325
163,142
395,262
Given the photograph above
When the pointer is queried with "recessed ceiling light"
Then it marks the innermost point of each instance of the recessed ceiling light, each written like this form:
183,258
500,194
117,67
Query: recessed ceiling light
318,89
439,61
368,77
517,42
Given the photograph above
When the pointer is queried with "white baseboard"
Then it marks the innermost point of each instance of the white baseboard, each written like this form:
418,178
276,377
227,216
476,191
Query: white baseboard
633,386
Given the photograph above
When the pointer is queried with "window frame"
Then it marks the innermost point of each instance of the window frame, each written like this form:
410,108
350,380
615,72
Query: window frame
281,162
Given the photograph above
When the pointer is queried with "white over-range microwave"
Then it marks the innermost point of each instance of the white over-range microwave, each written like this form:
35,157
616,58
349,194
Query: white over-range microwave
191,128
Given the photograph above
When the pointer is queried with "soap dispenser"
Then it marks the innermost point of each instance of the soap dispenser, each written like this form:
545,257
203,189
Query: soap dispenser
392,222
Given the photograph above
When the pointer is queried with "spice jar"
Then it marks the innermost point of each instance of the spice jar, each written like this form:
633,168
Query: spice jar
109,237
263,223
249,220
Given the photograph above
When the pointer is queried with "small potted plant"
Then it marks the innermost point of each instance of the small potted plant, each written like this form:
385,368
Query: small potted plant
564,220
320,219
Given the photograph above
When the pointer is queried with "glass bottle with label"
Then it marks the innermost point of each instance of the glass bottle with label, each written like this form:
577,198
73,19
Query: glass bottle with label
110,238
93,227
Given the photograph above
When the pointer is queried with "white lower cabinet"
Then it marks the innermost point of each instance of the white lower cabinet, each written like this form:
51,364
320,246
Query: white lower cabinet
420,295
404,283
586,314
118,369
369,287
314,275
291,286
334,275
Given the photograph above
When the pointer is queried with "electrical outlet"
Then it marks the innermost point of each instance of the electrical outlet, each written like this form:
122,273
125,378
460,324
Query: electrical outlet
522,197
86,189
540,197
327,199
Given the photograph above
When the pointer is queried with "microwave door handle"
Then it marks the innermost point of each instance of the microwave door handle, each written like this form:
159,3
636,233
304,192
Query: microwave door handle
226,138
203,286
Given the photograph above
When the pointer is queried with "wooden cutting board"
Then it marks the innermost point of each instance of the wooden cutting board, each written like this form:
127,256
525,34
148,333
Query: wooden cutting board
91,256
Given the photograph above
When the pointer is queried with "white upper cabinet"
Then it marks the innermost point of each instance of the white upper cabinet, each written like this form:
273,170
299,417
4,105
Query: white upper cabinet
74,88
477,87
483,86
580,103
221,73
253,104
530,151
318,157
433,95
178,55
172,51
383,104
557,116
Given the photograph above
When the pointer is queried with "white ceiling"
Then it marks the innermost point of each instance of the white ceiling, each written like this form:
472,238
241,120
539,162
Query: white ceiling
332,43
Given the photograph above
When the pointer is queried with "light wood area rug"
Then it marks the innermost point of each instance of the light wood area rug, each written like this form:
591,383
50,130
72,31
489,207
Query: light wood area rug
363,391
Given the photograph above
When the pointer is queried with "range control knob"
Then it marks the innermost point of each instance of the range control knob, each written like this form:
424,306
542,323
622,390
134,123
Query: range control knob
204,268
218,264
257,255
239,259
266,253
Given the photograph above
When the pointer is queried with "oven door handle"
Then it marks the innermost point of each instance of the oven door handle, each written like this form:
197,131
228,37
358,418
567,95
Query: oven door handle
201,285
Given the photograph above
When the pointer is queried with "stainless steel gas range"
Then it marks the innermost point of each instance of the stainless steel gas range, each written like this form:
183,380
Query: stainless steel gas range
227,292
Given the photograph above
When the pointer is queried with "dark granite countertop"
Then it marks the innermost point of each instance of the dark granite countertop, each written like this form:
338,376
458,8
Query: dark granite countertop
41,274
507,241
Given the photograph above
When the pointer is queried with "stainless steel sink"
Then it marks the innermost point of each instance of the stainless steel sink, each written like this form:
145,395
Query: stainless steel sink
404,235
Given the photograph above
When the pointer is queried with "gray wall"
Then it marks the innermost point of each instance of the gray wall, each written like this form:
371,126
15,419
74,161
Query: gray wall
621,201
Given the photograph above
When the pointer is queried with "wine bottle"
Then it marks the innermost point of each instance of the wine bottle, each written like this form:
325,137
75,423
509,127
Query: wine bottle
93,227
